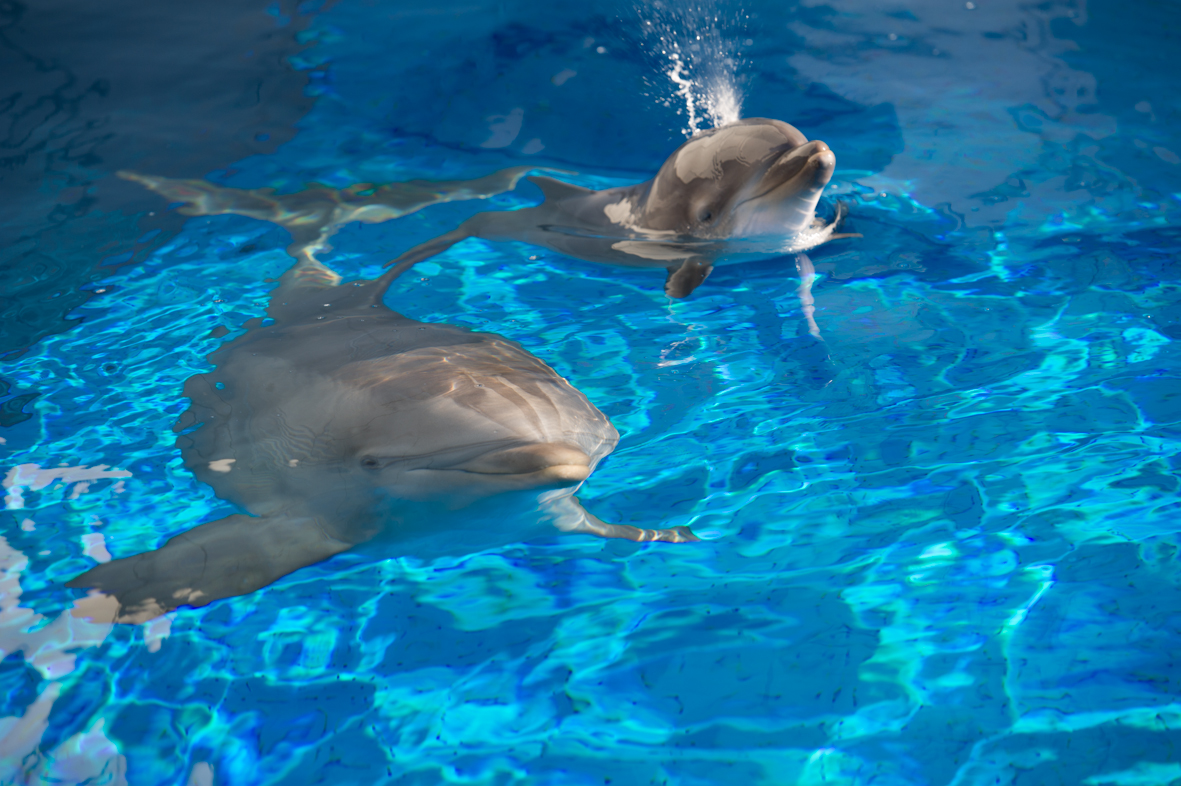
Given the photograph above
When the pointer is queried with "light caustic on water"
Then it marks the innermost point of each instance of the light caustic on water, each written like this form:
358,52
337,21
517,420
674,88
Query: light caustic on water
698,57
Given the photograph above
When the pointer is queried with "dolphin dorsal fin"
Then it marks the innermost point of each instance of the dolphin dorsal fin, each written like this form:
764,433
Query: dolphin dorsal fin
556,189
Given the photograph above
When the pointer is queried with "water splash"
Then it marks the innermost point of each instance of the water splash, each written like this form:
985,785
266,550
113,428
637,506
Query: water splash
699,57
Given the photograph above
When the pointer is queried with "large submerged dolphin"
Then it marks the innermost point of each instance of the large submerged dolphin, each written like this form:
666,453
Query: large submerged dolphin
315,214
744,191
344,423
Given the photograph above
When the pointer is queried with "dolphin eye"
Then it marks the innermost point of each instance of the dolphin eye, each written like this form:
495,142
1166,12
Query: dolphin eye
705,215
369,462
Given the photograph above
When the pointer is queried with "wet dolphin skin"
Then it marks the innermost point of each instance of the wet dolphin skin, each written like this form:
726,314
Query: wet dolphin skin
345,423
743,191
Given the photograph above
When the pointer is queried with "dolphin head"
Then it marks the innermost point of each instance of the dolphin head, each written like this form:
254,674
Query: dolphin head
457,424
751,178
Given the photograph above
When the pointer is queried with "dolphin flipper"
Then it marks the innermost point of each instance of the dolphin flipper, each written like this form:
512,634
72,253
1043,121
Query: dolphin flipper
686,277
220,559
831,228
570,516
595,526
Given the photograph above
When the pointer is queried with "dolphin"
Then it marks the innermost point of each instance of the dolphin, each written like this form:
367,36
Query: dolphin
743,191
344,424
316,213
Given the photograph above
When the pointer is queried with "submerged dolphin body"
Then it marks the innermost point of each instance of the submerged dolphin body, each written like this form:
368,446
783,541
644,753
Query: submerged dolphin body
744,191
314,214
344,423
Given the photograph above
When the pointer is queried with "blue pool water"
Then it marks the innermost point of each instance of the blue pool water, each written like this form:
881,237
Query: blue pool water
941,546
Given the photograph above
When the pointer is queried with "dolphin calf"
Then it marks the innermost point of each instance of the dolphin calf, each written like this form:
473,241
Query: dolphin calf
314,214
743,191
345,424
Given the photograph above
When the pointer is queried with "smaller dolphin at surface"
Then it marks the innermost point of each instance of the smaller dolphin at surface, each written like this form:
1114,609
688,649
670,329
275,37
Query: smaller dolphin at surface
344,424
314,214
740,192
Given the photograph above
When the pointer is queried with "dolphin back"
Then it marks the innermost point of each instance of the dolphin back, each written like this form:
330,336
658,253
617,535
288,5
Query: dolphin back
337,421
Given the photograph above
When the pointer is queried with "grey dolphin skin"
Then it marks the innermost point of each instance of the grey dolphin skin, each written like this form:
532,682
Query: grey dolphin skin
344,424
743,191
314,214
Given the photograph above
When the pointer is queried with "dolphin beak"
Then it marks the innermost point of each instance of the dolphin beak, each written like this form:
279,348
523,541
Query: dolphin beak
786,196
821,164
809,166
542,464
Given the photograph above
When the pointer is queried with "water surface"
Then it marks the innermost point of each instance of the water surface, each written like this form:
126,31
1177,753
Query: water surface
942,544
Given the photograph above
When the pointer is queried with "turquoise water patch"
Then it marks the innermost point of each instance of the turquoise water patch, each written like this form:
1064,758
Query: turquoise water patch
939,542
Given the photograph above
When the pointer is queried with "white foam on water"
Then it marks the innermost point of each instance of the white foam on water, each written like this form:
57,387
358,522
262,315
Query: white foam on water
701,60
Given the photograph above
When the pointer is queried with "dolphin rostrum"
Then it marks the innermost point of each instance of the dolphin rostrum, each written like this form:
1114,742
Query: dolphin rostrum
345,423
314,214
743,191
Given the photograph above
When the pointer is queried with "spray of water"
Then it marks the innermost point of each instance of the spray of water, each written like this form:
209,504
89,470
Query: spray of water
691,43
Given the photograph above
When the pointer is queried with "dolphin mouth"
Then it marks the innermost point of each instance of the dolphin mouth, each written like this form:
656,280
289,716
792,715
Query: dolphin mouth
544,464
806,168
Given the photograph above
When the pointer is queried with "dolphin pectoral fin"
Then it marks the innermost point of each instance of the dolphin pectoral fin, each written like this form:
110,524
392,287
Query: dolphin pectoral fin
572,517
682,280
837,221
233,556
592,525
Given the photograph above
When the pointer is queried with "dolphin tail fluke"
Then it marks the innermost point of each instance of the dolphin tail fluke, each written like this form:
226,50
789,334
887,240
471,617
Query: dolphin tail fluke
233,556
686,277
205,199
